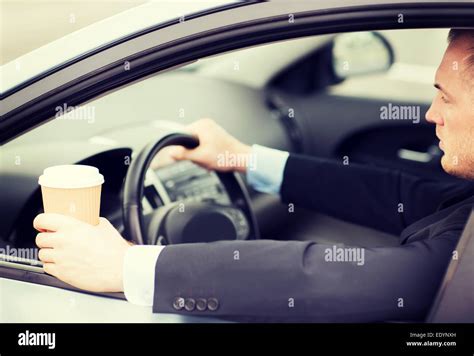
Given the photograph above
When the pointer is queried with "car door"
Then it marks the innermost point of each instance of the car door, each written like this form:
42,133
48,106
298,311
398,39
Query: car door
24,301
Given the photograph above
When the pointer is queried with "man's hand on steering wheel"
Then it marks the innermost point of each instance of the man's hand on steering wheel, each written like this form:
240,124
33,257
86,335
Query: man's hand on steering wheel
213,141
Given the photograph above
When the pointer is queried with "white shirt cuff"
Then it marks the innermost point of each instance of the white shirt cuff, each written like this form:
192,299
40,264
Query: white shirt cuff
139,273
267,177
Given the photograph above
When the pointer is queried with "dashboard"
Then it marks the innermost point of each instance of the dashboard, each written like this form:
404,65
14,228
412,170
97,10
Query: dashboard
187,203
182,181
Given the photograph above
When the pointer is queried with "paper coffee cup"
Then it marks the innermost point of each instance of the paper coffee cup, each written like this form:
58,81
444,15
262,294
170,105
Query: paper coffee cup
72,190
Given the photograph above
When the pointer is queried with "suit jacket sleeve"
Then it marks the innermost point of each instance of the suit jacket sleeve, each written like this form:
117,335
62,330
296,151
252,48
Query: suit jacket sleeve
384,199
293,280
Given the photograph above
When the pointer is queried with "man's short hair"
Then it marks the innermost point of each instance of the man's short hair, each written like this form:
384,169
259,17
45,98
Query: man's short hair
456,34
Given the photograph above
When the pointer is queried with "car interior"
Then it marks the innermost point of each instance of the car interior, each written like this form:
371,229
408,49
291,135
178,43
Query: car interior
288,95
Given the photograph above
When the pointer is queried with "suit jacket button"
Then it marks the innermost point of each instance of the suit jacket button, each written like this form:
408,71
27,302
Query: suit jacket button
201,304
178,303
189,304
212,304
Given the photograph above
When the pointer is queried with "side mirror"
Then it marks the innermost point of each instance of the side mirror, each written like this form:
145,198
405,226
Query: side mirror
360,53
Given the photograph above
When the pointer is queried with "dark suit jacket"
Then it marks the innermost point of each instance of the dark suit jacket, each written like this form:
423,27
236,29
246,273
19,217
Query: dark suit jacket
292,281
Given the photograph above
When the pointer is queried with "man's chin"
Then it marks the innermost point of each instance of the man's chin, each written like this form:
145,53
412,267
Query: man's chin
447,165
457,170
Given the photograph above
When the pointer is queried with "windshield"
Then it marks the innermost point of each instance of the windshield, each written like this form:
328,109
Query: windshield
38,35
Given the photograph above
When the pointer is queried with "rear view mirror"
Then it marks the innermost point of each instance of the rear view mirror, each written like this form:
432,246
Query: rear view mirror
360,53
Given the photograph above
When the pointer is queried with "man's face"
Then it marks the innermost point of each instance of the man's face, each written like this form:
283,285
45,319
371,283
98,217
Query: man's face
452,109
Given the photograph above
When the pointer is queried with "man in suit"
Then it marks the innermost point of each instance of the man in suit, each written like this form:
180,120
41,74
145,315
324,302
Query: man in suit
299,280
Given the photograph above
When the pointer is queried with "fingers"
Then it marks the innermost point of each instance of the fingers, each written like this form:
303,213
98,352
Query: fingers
163,158
196,126
178,152
47,240
204,153
53,222
47,255
50,268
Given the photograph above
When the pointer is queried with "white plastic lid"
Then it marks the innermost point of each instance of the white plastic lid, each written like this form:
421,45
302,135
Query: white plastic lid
71,176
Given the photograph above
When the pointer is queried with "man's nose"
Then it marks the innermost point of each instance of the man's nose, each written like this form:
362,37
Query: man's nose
433,116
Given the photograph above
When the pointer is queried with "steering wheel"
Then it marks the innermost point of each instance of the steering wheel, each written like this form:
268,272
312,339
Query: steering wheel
185,222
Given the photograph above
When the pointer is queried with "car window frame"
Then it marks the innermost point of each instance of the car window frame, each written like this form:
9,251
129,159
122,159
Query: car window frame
236,28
